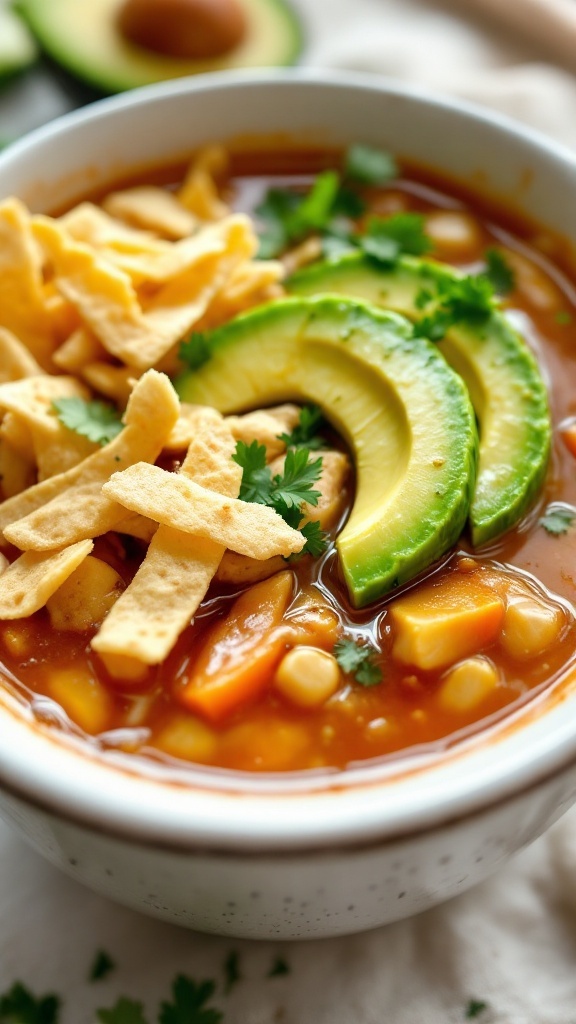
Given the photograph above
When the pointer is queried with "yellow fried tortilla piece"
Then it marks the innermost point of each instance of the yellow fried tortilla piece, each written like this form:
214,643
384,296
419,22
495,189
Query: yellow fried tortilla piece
31,580
56,448
174,500
89,223
16,362
153,209
16,472
241,571
199,192
265,426
80,348
115,382
192,419
252,283
22,297
109,305
15,431
71,506
137,526
176,573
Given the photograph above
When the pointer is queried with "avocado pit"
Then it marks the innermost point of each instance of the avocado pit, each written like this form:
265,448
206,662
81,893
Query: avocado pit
183,29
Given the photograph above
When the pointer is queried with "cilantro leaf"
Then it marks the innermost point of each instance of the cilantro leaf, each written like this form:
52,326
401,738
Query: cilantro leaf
279,968
189,1003
126,1011
386,238
305,433
275,213
499,272
357,660
256,477
231,971
98,421
467,299
102,966
558,519
19,1006
315,210
295,486
195,350
369,166
316,540
475,1008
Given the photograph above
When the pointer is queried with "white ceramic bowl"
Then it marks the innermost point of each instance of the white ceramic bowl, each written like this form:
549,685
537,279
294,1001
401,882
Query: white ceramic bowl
290,856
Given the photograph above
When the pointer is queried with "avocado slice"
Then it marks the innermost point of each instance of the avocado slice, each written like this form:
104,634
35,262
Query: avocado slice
84,39
403,411
17,47
502,376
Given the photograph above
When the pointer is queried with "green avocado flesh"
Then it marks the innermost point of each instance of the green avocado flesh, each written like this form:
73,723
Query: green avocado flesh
17,47
403,411
82,36
502,376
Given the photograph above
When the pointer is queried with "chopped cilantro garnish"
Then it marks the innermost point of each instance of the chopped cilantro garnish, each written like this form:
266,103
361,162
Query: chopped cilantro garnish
315,539
279,968
126,1011
305,433
475,1008
195,350
101,967
315,210
467,299
558,519
563,317
19,1006
357,659
285,492
188,1004
499,272
369,166
232,973
387,238
98,421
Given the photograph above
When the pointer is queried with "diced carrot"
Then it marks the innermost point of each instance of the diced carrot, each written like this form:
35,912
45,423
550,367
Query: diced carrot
437,625
240,653
569,438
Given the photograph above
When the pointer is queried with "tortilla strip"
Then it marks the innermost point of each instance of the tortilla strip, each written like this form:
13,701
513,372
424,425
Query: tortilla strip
15,431
31,580
192,419
264,426
78,350
108,303
22,299
37,519
173,579
199,192
115,382
172,499
152,208
88,223
16,362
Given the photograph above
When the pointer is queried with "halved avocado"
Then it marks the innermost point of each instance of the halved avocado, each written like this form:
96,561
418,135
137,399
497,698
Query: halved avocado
17,47
83,37
502,376
405,414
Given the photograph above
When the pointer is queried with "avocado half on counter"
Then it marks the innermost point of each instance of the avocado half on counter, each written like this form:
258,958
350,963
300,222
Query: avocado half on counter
122,44
440,433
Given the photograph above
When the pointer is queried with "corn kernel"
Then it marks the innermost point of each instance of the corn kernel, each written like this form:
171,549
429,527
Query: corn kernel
530,626
467,685
453,233
307,676
188,738
83,698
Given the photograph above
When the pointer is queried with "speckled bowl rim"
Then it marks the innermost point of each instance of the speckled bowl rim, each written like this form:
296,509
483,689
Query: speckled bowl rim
205,808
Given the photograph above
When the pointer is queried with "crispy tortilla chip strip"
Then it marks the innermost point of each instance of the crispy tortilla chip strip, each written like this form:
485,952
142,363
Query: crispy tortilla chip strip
107,301
174,500
56,448
153,209
264,426
32,579
192,419
16,473
15,431
199,192
115,382
22,297
177,571
89,223
42,517
137,526
16,362
80,348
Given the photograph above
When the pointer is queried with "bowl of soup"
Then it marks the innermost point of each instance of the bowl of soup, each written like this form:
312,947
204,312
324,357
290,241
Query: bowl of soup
287,443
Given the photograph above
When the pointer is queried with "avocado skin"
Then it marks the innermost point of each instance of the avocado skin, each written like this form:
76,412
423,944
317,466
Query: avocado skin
404,412
81,37
503,377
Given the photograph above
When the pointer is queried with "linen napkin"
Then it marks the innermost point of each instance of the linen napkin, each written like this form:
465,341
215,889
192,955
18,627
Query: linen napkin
504,953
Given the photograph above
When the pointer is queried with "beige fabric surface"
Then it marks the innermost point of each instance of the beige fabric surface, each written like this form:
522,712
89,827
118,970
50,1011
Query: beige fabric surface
511,942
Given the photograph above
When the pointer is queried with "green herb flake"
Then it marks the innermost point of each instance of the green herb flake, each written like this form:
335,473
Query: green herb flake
19,1006
315,210
306,432
558,519
256,477
387,238
188,1005
195,351
295,485
369,166
358,660
232,974
98,421
279,968
467,300
316,539
101,967
475,1008
563,317
126,1011
499,272
274,214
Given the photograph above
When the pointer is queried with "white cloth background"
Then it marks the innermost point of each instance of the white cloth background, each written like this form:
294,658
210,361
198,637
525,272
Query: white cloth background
511,942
